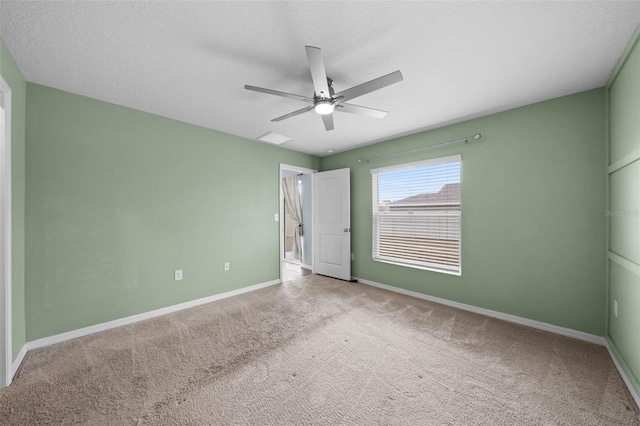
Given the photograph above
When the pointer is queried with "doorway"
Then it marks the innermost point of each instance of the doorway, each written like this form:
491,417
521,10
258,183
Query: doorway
296,224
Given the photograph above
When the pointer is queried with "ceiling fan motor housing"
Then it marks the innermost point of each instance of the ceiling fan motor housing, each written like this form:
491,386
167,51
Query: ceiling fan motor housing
331,91
322,105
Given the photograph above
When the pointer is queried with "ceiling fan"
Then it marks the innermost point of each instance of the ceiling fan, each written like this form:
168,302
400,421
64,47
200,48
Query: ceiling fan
325,101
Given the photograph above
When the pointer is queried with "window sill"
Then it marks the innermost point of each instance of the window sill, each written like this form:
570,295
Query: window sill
424,268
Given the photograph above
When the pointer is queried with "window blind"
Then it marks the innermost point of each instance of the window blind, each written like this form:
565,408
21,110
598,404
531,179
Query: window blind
416,214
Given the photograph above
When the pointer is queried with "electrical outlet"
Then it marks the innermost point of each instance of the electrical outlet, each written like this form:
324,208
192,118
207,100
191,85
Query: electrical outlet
615,308
276,217
353,256
177,275
226,266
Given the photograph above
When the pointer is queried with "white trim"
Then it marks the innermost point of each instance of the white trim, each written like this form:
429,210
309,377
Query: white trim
18,360
297,169
63,337
617,165
580,335
633,42
625,378
624,161
5,236
627,264
69,335
408,264
429,162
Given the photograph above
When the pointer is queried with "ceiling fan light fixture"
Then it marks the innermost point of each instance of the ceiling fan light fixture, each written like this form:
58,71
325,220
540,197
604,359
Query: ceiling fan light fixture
323,107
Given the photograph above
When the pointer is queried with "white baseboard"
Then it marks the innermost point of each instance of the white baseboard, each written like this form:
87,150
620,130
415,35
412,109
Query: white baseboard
63,337
18,360
625,378
591,338
308,267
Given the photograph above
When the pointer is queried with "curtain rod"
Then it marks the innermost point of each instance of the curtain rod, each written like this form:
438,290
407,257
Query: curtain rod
394,154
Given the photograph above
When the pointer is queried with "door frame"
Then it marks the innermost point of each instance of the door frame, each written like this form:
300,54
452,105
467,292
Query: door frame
6,355
289,168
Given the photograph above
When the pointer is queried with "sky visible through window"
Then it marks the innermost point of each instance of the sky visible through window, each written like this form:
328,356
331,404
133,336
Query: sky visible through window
396,185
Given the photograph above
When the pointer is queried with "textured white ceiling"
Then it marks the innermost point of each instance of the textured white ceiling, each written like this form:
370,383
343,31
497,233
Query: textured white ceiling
190,60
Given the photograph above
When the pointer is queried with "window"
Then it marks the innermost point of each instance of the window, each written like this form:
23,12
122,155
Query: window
416,214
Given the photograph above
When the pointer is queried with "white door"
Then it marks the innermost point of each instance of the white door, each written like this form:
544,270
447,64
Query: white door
332,224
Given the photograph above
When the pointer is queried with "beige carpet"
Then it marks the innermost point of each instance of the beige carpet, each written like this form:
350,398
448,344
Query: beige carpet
323,352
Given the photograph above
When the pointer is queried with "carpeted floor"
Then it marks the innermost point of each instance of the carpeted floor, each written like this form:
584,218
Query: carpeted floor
323,352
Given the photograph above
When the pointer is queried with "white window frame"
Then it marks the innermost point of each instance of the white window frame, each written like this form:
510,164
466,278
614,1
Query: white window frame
375,211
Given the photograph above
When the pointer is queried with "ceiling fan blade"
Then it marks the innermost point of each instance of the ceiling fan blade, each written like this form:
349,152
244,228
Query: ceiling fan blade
356,109
369,86
328,121
293,114
277,93
318,73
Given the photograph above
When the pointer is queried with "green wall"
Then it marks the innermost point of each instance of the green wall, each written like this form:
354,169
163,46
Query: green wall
117,199
14,78
624,197
533,196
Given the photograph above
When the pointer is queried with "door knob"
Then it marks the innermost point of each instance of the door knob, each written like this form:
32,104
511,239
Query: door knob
346,229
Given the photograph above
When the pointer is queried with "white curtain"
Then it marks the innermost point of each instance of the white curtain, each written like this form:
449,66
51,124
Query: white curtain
293,207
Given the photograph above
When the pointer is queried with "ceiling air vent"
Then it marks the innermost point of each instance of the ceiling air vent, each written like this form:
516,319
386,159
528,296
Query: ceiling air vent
274,138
